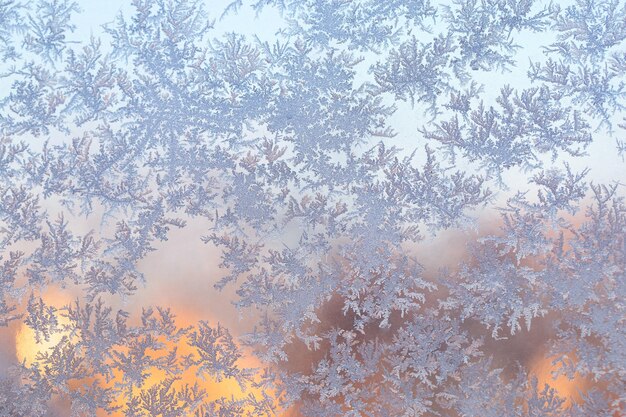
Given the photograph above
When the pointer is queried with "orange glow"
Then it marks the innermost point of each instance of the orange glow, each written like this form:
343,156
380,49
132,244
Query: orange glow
569,389
226,388
27,349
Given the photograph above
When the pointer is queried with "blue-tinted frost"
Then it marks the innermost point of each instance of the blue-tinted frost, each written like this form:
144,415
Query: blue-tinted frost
292,153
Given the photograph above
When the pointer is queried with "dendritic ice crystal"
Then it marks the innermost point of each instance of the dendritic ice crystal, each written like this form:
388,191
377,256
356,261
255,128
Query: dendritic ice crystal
319,208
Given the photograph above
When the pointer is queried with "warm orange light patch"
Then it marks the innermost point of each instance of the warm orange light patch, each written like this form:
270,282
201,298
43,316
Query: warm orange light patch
569,389
227,388
27,348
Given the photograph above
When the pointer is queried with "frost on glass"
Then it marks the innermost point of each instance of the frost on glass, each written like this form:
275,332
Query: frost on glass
408,208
